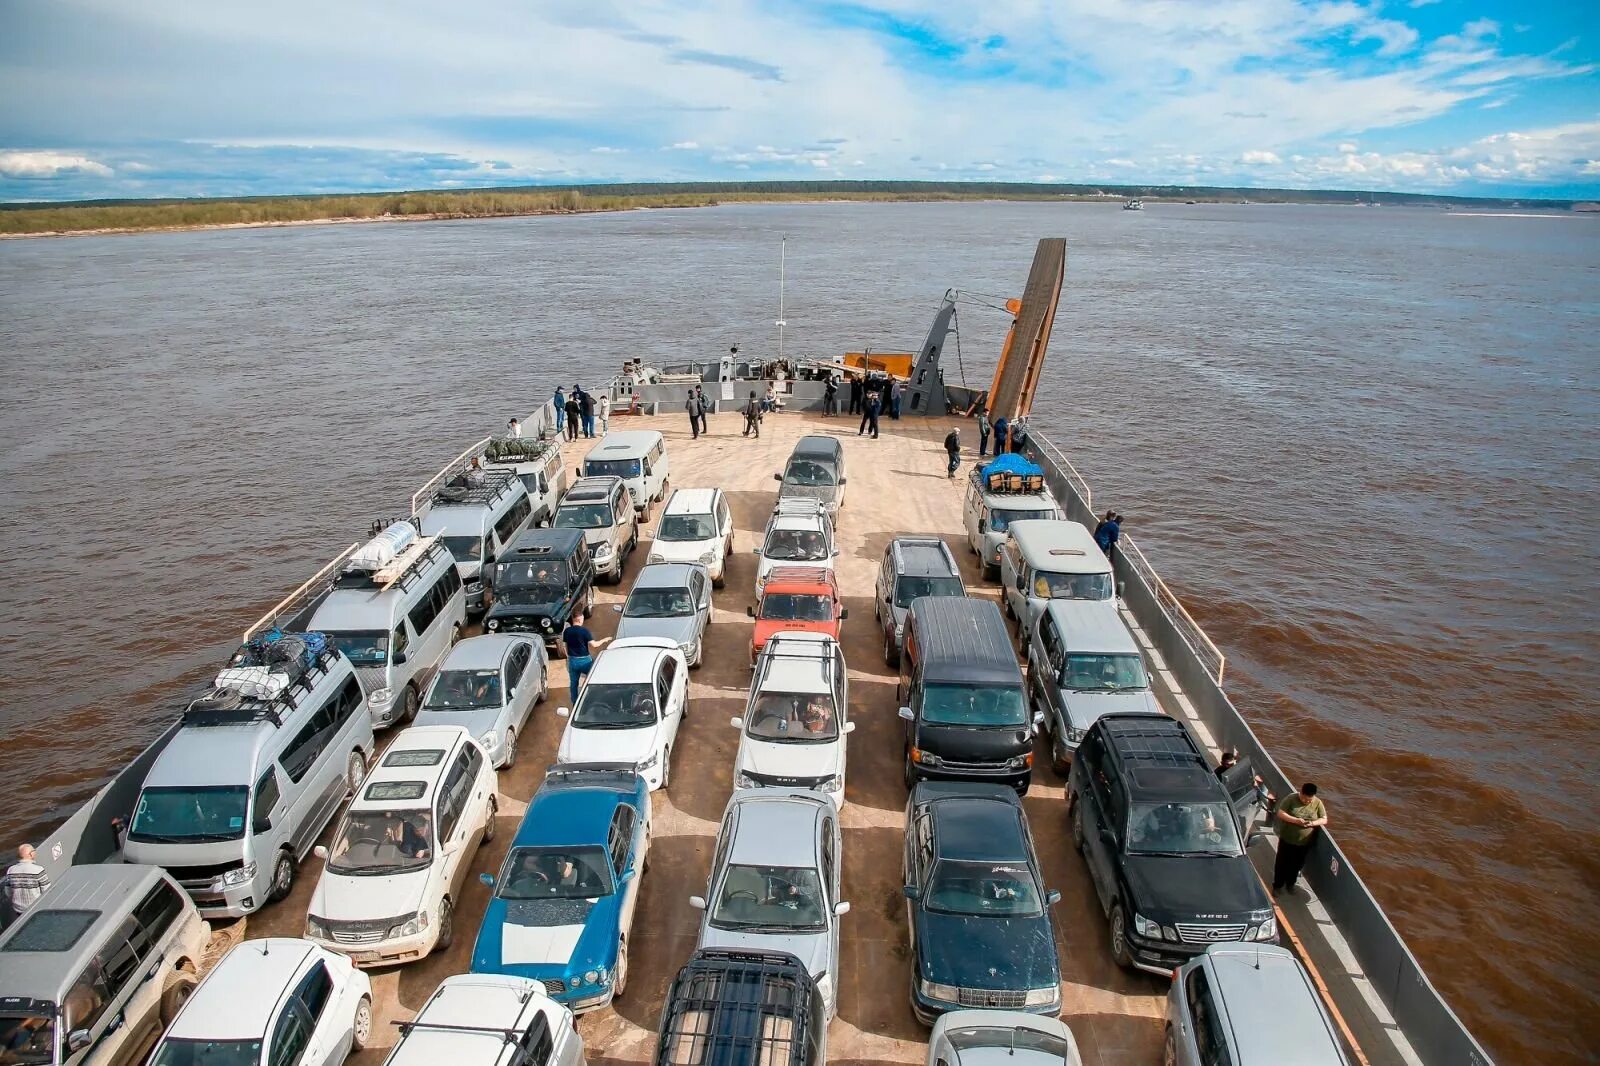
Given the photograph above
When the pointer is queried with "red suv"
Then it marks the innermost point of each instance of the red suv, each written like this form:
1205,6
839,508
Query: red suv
802,598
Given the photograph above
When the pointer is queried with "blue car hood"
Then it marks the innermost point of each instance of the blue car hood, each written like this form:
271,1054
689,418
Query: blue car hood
547,937
979,952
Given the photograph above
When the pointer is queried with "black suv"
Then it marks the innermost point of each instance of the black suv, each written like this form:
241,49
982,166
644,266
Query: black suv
733,1007
1161,838
538,582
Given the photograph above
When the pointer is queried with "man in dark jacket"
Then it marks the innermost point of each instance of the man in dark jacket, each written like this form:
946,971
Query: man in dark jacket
830,397
705,406
752,416
952,447
585,410
692,405
855,394
573,414
1107,533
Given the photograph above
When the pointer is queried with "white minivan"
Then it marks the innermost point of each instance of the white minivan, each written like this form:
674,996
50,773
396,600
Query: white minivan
1046,559
404,849
538,464
397,605
638,457
696,527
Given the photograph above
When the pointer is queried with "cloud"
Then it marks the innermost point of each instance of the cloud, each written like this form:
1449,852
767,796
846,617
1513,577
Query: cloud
1257,157
605,149
683,146
35,166
1347,147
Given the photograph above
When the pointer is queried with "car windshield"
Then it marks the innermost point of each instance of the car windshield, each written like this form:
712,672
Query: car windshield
465,549
1012,1038
1002,889
189,815
361,646
808,545
615,706
979,705
525,583
686,527
583,516
808,472
910,588
178,1052
1103,673
378,843
623,468
1000,519
531,483
1051,586
27,1039
796,607
658,603
1182,829
464,690
774,899
794,718
555,873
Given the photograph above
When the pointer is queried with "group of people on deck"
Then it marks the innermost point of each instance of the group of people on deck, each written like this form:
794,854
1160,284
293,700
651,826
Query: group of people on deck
578,410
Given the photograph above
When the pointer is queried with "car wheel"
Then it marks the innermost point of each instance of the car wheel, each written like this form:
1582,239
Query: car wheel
544,685
991,572
666,768
488,823
911,773
891,653
1058,762
282,876
1169,1052
355,771
510,759
1077,825
699,653
721,580
619,976
361,1027
447,927
409,711
1119,937
177,992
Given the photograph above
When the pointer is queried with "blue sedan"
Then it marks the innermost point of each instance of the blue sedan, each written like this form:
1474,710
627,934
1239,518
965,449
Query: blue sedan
564,897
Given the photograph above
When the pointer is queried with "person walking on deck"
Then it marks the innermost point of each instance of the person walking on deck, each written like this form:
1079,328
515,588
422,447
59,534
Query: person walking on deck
752,416
895,391
1019,435
869,418
855,395
692,405
560,405
23,884
983,432
1000,426
580,645
952,447
1296,822
705,406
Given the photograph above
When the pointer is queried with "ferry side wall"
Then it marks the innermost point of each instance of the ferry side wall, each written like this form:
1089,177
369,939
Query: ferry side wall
1432,1028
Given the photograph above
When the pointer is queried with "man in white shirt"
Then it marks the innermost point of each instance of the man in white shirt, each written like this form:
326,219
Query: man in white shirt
514,428
24,883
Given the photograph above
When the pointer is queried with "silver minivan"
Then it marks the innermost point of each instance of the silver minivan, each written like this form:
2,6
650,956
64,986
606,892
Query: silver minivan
476,519
97,967
238,796
639,458
1248,1005
1043,560
1083,663
395,614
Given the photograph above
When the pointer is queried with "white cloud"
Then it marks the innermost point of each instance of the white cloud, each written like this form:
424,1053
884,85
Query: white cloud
1347,147
604,149
1257,157
683,146
30,166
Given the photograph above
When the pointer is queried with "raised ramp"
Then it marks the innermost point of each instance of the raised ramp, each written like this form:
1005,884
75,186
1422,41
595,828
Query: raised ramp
1017,375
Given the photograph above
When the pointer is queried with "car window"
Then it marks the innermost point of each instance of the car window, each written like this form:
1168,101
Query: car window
307,744
400,641
827,856
621,837
160,908
1208,1036
314,991
291,1035
537,1043
449,799
267,794
669,673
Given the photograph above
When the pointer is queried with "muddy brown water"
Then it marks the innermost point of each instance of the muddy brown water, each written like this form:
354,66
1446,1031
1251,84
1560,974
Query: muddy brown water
1360,442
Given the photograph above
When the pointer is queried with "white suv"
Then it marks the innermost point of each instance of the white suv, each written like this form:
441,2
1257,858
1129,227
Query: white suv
404,848
277,1001
696,527
799,533
476,1019
629,709
797,717
774,883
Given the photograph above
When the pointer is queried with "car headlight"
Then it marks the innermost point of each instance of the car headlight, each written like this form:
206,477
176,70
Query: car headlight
1043,997
743,780
241,875
687,649
1146,928
1267,930
1019,762
924,758
544,622
708,558
487,740
899,632
654,558
830,785
934,990
654,758
494,623
315,927
603,550
379,698
410,925
592,977
1074,736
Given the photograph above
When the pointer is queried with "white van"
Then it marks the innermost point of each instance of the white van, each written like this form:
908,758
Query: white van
404,848
638,457
988,513
396,607
1043,560
476,519
696,527
238,796
538,464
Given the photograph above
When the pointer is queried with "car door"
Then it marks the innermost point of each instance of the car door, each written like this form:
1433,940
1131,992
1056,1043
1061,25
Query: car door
700,589
971,508
621,842
725,524
1043,674
521,685
841,700
1011,571
308,1030
1100,828
829,854
919,859
670,687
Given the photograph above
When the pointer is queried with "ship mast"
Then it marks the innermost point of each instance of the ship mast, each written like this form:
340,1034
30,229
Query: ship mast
783,254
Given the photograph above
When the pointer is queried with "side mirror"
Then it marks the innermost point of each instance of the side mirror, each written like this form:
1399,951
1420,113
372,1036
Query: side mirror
836,553
1052,897
849,727
1122,587
563,712
617,607
777,477
756,550
487,879
910,892
1107,835
736,722
751,611
905,712
1038,718
511,693
983,525
398,658
843,480
321,852
627,874
844,612
77,1040
842,907
697,902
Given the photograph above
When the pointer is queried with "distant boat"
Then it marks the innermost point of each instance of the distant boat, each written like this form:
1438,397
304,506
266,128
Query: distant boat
1133,205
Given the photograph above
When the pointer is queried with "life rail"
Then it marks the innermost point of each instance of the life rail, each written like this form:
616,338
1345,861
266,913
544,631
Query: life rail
1205,648
449,470
1076,479
302,597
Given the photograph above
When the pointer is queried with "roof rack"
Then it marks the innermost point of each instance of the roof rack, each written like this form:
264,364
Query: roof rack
405,566
799,505
492,482
448,471
592,769
738,1006
296,608
225,706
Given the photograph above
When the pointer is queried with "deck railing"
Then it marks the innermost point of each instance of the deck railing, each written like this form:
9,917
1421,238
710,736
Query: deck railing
296,606
448,471
1204,647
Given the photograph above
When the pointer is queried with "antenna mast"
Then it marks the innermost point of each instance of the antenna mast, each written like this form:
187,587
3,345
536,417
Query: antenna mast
783,255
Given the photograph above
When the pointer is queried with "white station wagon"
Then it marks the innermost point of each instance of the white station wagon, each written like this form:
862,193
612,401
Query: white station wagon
799,533
794,726
476,1019
272,1002
629,709
404,848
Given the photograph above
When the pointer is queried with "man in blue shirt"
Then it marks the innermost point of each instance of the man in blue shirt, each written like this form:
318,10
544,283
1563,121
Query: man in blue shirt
581,645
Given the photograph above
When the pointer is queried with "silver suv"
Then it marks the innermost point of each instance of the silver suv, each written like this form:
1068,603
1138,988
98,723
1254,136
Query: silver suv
1249,1005
911,567
602,508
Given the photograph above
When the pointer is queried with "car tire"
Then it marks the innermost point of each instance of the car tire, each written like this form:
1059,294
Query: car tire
991,572
180,986
619,976
488,823
1169,1049
721,580
1062,767
1076,817
1005,605
891,654
408,712
544,685
282,876
447,926
666,768
1119,937
511,750
355,771
361,1025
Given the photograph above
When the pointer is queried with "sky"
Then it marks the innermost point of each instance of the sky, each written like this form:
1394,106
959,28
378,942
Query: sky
107,98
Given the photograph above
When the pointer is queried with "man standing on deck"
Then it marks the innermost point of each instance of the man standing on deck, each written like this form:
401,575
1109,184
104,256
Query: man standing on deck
604,408
830,397
692,405
700,398
1107,533
560,404
983,432
1296,822
572,418
514,428
1000,427
1019,435
752,416
869,416
894,399
952,447
585,409
22,885
855,395
580,645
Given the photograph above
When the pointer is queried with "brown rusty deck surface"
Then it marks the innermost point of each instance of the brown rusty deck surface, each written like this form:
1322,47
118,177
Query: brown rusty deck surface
896,485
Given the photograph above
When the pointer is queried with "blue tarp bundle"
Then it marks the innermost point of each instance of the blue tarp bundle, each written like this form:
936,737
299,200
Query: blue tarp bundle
1010,463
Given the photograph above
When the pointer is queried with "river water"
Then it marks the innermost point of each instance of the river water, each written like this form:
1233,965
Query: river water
1361,443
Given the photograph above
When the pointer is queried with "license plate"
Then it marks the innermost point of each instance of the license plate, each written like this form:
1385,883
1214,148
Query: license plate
366,956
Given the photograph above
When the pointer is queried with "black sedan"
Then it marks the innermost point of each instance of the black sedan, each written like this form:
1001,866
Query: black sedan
981,934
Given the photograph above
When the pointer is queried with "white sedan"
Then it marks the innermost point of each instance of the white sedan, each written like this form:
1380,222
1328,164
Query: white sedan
488,686
629,709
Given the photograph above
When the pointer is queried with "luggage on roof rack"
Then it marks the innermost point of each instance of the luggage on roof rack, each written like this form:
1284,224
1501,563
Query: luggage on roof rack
1011,473
517,449
265,679
474,486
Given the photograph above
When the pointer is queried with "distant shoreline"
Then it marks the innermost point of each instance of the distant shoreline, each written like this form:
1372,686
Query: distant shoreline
94,219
